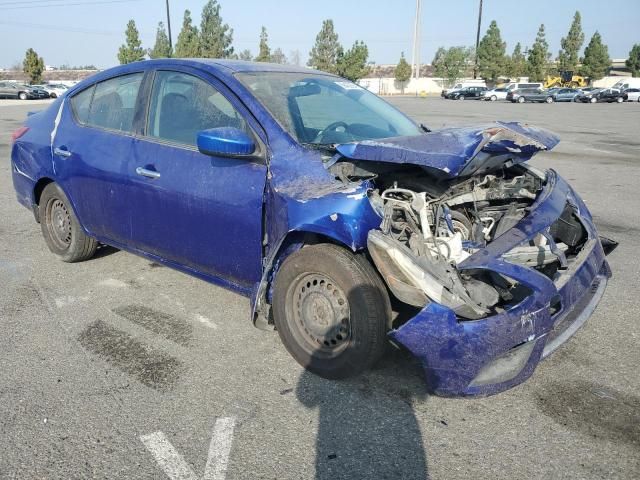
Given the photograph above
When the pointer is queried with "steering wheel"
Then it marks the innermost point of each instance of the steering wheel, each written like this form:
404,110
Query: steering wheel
333,127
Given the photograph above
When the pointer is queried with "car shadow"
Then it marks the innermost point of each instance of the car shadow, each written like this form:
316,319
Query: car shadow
104,251
367,428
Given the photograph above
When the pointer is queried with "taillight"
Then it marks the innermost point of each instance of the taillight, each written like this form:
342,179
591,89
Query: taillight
18,133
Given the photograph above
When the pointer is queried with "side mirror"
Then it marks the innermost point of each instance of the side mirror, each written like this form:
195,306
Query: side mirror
225,141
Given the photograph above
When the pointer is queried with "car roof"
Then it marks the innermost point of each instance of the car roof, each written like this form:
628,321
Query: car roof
220,64
222,67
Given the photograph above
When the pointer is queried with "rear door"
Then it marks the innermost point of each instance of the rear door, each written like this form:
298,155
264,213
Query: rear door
92,147
198,211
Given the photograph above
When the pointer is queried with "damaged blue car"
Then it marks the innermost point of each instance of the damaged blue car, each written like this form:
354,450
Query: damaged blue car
347,224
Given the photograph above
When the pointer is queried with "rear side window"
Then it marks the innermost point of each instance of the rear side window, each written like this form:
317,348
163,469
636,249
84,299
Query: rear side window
81,103
183,105
113,103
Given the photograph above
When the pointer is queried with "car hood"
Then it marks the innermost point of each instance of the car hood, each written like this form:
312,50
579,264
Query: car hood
456,151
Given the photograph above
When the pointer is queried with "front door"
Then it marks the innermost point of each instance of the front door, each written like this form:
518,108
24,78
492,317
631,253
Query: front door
199,211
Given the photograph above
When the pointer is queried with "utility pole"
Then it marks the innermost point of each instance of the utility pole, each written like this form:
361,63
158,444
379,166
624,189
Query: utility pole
169,26
475,67
415,57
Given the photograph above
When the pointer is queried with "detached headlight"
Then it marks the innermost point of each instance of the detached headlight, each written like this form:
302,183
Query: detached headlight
413,280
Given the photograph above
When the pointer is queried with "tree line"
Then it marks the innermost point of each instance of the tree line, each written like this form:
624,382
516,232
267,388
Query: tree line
214,39
536,62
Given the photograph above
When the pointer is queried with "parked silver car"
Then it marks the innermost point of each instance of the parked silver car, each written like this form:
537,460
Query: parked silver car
495,94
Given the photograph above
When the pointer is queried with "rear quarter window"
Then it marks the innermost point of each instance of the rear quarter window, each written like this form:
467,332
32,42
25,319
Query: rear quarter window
113,102
80,104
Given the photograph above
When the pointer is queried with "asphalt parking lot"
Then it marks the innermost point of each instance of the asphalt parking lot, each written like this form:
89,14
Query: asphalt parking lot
106,361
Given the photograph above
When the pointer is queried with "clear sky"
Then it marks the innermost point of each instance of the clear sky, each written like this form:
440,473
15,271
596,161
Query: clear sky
85,32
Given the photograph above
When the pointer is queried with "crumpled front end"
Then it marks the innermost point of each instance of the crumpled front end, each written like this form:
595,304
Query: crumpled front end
547,271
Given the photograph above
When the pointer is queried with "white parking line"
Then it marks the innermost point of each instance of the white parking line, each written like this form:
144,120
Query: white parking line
167,457
177,468
205,321
219,450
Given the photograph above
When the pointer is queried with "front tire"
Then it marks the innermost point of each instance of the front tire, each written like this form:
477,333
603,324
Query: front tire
619,100
521,100
593,100
493,98
22,96
331,310
53,95
549,100
60,227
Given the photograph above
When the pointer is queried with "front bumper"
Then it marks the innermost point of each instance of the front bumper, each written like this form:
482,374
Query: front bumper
490,355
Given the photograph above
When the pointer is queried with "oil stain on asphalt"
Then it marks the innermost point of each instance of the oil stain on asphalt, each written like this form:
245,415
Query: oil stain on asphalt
166,325
149,366
595,410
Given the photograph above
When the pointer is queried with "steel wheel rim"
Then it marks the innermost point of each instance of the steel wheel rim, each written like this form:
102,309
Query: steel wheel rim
59,223
319,313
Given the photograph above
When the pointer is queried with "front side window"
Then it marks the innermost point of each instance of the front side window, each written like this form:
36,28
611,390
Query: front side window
113,103
324,110
183,105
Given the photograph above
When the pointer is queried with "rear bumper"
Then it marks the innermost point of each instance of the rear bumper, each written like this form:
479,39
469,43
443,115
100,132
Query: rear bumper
493,354
23,179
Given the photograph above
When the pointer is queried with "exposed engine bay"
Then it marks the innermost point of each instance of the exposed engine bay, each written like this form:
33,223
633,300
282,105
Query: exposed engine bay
431,225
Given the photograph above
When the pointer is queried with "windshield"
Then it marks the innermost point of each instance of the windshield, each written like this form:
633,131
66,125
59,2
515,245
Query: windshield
325,110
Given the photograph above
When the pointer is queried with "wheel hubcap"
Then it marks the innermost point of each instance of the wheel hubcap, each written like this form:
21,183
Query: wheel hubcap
59,223
321,312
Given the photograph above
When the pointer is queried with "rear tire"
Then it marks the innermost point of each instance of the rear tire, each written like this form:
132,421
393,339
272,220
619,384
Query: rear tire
61,229
53,95
619,100
331,310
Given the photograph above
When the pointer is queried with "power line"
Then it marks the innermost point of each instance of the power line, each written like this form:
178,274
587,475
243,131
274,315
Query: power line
67,4
27,2
60,28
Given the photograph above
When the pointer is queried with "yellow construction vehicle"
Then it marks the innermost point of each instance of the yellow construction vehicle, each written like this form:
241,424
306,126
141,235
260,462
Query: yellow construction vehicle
565,79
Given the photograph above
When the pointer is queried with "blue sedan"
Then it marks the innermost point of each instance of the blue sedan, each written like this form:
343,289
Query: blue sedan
346,224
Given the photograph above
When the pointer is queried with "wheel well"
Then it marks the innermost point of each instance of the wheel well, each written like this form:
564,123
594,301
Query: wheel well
292,242
39,188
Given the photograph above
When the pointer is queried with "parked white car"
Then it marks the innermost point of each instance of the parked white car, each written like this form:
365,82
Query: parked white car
55,90
495,94
631,95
